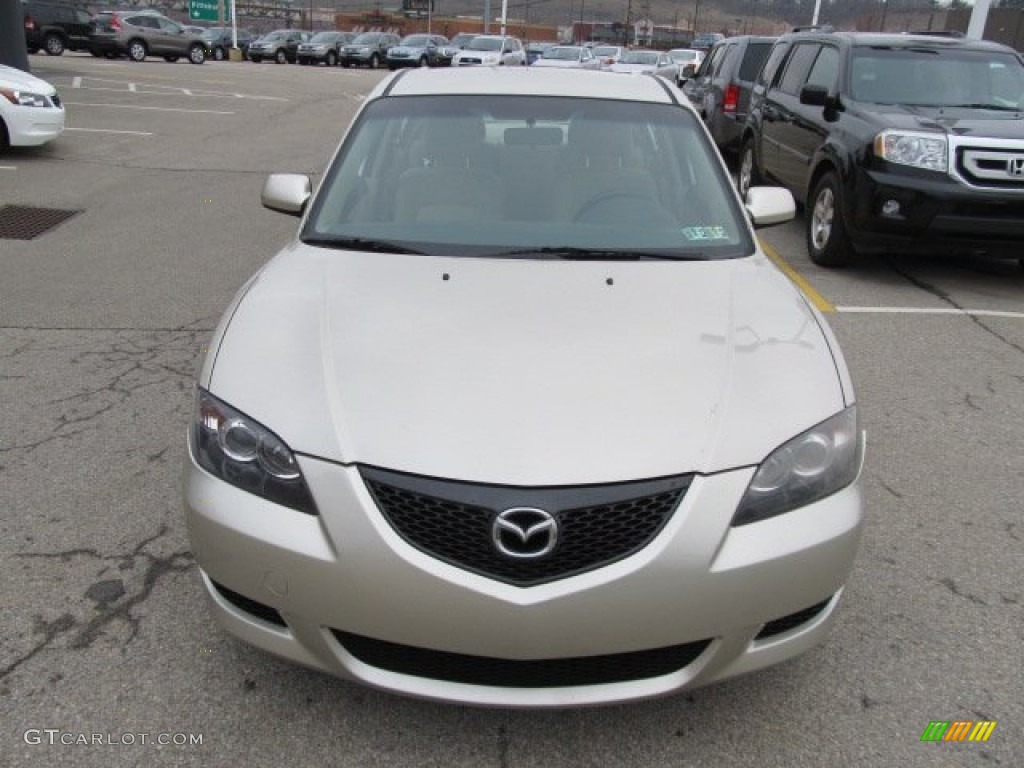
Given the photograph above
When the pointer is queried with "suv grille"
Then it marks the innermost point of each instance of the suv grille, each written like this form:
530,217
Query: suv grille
994,168
514,673
454,521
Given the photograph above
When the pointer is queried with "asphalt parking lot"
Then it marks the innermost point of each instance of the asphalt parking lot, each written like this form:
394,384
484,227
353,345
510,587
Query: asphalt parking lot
102,323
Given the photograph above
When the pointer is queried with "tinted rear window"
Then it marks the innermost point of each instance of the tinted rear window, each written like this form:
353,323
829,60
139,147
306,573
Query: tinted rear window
752,61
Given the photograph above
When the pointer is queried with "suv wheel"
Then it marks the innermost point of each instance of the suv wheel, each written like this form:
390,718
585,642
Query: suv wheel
747,176
53,44
218,54
197,54
281,57
375,61
332,59
424,62
827,243
137,50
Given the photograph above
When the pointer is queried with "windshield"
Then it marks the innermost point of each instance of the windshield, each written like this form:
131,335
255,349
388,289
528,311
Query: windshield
324,37
639,57
683,56
528,177
933,77
415,41
367,38
484,44
562,54
606,51
272,36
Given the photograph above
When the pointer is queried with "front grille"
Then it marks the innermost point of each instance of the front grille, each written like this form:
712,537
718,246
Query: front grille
991,167
793,620
455,521
515,673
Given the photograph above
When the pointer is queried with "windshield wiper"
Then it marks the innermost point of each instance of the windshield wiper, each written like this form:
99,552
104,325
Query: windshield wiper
359,244
982,105
596,254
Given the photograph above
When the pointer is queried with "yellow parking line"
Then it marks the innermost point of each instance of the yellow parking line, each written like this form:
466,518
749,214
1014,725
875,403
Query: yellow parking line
823,304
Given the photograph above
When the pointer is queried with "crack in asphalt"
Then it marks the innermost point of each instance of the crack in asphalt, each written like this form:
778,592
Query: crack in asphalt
952,587
127,364
116,609
945,297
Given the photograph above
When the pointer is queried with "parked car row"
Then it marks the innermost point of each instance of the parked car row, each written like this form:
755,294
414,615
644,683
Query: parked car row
892,142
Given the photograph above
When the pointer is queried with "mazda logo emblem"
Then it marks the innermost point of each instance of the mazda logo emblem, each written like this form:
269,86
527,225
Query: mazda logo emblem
524,533
1015,166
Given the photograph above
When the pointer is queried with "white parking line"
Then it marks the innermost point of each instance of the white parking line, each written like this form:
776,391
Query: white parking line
151,109
930,311
80,83
110,130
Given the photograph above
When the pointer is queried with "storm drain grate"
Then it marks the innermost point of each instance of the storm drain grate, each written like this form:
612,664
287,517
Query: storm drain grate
21,222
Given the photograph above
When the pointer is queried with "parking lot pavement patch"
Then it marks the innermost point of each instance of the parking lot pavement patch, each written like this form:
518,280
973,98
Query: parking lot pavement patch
19,222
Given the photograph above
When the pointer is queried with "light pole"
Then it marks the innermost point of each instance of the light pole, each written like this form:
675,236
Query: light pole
696,10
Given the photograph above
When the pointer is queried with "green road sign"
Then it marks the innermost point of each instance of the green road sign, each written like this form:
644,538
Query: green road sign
203,10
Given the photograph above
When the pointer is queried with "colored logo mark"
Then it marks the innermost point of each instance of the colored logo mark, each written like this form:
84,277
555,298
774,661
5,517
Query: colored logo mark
958,730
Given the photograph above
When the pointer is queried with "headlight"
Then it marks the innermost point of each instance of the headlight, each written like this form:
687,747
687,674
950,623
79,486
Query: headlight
24,98
921,150
241,451
811,466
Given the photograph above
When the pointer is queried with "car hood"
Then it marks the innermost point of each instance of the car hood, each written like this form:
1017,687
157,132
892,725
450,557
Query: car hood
557,63
526,372
16,78
959,121
635,69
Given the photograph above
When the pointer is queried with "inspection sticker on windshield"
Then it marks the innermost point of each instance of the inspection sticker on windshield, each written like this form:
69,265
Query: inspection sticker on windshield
704,233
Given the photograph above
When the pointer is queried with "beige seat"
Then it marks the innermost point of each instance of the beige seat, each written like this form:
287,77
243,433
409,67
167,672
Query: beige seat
447,194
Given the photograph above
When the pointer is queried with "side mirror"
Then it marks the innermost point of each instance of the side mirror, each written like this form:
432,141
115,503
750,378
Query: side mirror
768,206
814,95
287,193
689,70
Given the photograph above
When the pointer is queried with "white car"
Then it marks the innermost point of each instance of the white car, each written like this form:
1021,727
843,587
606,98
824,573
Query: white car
643,62
686,57
524,417
491,51
608,54
568,57
31,113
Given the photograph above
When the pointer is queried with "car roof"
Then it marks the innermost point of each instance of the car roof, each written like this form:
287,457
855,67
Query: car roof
524,81
897,40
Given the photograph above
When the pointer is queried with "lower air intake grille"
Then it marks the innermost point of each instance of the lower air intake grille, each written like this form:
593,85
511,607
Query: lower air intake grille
594,525
786,623
250,606
509,673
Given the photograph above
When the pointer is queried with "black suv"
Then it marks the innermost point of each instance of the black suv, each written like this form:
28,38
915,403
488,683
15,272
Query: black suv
720,89
893,142
54,27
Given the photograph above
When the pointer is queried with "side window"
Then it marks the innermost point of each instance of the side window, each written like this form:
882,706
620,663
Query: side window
82,17
826,68
169,26
710,65
772,65
728,52
796,67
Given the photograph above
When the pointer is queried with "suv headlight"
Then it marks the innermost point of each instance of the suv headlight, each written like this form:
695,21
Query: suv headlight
241,451
811,466
920,150
24,98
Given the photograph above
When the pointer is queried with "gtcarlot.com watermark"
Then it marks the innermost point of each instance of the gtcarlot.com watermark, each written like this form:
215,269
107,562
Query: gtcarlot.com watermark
55,737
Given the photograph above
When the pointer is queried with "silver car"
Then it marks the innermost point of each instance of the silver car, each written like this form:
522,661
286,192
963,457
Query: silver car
524,416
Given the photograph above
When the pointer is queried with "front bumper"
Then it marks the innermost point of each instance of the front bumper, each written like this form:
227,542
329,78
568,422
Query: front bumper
32,126
936,214
342,591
